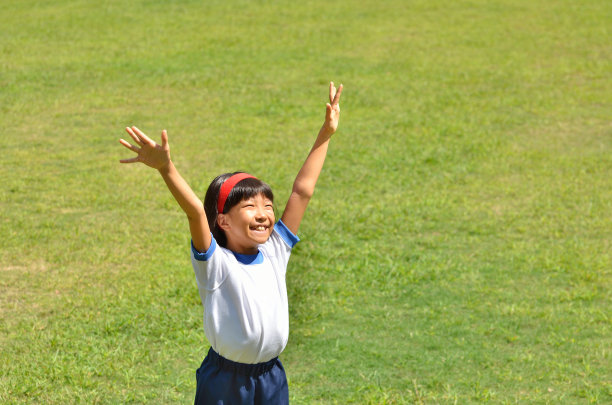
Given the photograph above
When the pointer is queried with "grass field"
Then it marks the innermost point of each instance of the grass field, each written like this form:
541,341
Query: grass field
458,247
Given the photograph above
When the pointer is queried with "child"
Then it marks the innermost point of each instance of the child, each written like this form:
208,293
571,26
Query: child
240,257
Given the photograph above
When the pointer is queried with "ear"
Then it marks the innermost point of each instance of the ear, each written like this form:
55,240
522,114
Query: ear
222,222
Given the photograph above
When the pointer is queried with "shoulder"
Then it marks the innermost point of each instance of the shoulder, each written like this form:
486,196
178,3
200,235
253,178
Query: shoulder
280,244
204,256
282,234
213,266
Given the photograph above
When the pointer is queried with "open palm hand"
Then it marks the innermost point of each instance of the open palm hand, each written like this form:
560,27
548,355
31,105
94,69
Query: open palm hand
148,151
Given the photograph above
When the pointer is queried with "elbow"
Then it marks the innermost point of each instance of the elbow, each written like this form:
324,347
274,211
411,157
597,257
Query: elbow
196,213
303,190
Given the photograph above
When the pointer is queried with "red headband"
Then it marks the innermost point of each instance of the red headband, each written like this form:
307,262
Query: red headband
227,187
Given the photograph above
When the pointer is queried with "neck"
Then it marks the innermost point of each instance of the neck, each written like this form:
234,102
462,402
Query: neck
243,250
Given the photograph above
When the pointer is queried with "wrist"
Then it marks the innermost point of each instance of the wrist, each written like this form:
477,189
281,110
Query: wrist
166,167
326,131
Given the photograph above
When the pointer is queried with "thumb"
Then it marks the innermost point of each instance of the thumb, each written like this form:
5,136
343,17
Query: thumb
164,138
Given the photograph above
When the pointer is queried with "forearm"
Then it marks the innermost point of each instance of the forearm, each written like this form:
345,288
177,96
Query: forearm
306,180
183,194
158,157
191,205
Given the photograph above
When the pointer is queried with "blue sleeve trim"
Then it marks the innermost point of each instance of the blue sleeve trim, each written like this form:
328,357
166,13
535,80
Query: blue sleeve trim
202,257
289,237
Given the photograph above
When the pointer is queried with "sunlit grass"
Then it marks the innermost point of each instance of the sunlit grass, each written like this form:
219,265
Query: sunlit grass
457,249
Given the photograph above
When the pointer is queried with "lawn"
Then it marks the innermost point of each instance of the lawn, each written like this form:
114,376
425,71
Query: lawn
458,246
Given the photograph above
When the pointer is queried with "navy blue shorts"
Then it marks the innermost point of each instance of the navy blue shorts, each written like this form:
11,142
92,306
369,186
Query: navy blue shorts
225,382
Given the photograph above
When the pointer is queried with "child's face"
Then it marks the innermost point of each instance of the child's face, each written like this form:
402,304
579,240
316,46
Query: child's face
248,224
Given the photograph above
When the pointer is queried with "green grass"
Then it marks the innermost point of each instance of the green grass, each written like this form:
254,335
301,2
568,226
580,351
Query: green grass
458,246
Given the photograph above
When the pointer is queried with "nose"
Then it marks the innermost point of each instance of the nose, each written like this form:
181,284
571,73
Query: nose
260,214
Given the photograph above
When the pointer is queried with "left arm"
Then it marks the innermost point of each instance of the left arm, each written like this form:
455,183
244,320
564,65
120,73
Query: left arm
304,184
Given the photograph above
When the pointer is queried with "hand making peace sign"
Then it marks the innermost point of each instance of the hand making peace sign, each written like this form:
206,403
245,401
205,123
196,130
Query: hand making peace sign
332,114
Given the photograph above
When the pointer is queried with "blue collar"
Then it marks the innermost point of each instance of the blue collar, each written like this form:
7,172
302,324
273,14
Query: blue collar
249,259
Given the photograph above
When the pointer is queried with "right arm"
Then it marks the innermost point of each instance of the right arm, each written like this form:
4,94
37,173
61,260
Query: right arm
158,157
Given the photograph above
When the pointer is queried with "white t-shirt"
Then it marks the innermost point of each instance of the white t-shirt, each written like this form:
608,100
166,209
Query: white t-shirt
246,314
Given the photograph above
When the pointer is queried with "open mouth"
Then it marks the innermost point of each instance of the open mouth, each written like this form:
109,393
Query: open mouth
259,228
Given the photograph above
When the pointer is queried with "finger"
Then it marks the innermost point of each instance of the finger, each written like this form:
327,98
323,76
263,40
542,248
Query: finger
164,138
337,97
143,137
129,145
328,112
332,91
132,160
133,135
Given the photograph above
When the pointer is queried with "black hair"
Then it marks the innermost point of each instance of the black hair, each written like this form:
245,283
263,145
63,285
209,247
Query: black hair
244,189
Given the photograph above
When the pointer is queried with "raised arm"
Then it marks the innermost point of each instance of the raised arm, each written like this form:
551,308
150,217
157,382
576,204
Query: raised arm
158,157
304,184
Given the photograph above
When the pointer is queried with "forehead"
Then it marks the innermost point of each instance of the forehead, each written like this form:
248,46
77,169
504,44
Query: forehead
259,196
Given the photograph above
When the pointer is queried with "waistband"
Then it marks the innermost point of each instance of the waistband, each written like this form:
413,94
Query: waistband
240,368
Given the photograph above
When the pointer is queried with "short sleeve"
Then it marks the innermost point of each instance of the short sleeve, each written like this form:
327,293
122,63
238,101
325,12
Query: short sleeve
202,257
278,247
208,266
287,236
